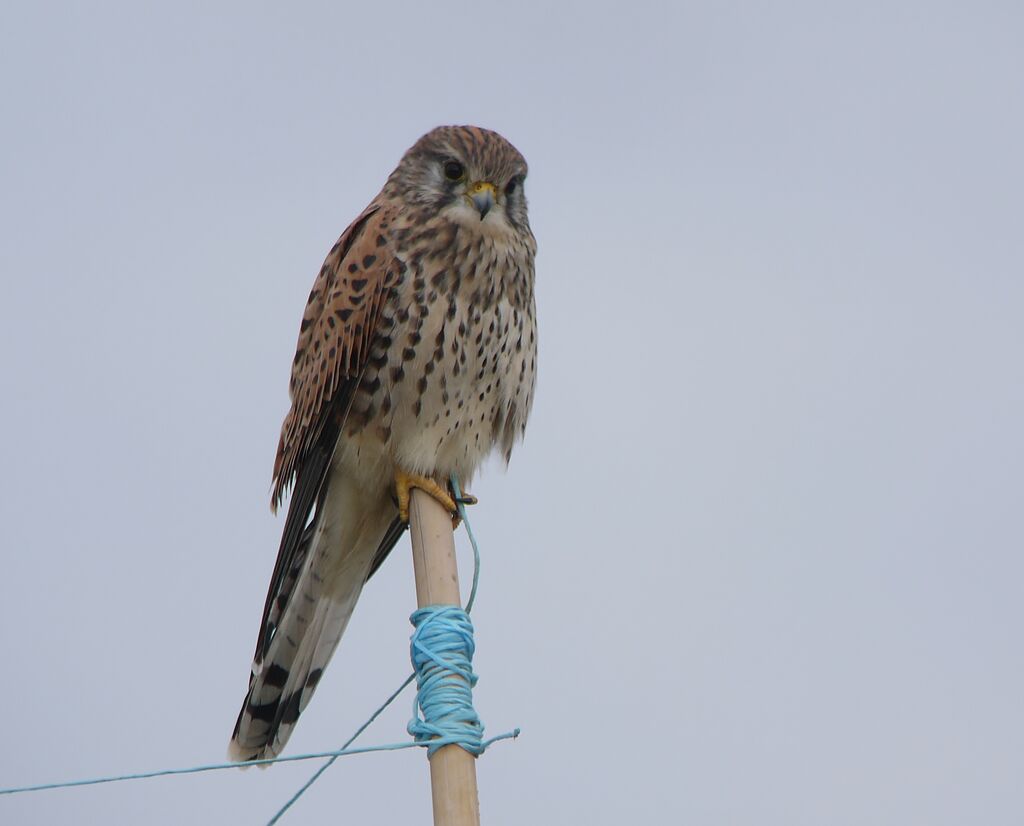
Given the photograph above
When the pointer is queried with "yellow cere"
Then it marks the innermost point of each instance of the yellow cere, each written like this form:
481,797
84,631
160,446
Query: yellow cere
480,186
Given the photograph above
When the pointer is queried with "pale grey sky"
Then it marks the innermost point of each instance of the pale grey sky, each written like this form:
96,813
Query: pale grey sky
759,559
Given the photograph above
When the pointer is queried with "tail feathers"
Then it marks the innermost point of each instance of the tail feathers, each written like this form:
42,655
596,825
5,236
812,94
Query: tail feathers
307,611
284,684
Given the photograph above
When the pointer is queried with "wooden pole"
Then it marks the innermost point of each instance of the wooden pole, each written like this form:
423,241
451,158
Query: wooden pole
452,768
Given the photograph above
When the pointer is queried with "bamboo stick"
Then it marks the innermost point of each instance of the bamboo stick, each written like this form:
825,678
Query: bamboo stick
452,768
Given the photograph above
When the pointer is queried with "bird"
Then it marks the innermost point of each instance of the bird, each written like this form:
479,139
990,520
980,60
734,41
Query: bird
416,359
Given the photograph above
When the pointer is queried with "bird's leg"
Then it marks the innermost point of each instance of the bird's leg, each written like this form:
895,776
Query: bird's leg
405,482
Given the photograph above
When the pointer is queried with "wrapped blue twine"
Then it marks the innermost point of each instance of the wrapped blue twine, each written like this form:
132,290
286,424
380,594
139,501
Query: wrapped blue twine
442,649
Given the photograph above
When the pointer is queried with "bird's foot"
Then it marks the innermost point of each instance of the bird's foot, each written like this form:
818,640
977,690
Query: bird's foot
405,482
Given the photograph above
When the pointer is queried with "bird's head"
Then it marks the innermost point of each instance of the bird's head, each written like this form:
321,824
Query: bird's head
471,175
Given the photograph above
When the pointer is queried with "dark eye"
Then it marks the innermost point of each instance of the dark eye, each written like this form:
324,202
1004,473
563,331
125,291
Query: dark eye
453,170
510,187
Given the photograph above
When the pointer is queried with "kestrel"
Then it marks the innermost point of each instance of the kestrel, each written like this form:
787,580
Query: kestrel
416,358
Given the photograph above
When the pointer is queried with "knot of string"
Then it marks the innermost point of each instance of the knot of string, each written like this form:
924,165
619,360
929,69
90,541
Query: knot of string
442,649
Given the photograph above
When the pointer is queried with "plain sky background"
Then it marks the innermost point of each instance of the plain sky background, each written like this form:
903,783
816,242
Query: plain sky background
759,559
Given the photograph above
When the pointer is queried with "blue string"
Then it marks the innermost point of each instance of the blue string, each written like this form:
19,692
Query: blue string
460,503
442,649
209,768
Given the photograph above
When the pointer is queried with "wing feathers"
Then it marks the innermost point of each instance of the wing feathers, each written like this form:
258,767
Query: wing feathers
337,327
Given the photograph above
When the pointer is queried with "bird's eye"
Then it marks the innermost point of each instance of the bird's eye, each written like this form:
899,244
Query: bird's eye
511,186
454,171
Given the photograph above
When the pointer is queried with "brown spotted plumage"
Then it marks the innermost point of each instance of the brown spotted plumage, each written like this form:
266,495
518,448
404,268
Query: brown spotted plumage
416,358
341,317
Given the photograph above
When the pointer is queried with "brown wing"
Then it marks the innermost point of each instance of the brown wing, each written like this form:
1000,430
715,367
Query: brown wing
334,339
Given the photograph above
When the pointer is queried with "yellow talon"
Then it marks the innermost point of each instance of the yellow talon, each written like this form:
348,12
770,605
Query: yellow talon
405,482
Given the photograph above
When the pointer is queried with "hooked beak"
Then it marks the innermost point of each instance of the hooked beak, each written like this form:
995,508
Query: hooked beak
483,194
